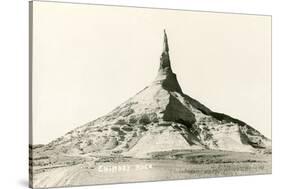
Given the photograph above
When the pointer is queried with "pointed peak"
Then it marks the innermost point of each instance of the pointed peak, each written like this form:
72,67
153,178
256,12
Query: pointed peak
165,59
165,75
165,46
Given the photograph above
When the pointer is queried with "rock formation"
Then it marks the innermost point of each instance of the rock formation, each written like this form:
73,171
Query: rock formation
159,118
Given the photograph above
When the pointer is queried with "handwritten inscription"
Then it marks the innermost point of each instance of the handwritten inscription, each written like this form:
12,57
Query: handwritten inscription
123,168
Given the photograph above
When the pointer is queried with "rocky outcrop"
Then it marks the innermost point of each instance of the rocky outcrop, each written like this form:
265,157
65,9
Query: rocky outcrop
175,111
165,75
159,118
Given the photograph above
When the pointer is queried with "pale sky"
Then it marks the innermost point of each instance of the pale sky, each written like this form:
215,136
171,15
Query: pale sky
88,59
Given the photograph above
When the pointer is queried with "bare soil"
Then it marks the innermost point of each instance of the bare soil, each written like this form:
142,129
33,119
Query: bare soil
172,165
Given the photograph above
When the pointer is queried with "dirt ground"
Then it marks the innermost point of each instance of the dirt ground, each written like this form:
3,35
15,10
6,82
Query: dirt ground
172,165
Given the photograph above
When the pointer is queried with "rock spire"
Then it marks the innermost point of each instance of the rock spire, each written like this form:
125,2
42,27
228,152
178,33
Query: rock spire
165,58
165,75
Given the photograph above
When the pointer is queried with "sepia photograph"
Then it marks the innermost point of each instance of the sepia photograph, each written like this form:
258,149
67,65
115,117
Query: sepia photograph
125,94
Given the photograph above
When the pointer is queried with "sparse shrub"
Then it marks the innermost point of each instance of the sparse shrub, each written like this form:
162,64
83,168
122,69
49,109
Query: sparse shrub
127,112
154,118
206,128
144,119
89,142
121,122
70,132
164,124
121,133
64,150
121,137
133,120
142,128
127,128
115,128
208,136
177,127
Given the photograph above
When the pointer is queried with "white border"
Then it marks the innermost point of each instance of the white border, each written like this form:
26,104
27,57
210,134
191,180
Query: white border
14,90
